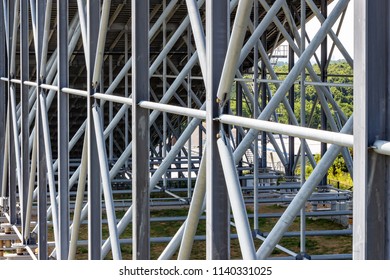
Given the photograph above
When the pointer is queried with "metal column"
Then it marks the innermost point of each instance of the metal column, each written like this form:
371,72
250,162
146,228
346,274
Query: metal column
371,231
324,74
217,219
24,96
94,185
41,163
3,73
291,99
140,129
63,129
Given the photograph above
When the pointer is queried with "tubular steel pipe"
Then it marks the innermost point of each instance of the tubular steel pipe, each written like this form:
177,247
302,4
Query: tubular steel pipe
340,139
194,113
198,32
101,42
235,44
79,201
49,166
107,190
381,147
197,207
236,201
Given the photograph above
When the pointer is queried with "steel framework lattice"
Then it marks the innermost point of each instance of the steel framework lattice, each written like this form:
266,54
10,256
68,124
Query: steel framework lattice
105,99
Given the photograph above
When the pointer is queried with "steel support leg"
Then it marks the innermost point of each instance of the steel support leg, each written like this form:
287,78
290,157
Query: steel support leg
94,186
217,219
63,129
371,219
24,97
3,99
140,130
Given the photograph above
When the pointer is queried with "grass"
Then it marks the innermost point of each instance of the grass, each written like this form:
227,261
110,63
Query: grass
316,245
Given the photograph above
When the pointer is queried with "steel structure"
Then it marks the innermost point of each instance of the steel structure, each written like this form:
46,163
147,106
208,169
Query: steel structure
107,93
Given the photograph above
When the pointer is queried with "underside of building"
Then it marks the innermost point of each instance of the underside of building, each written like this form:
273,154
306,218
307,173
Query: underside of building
114,110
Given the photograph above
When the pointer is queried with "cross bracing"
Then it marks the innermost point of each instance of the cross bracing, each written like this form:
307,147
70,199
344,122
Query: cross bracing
133,98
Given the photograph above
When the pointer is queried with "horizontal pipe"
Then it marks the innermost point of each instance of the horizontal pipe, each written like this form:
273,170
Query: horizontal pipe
114,98
194,113
382,147
328,84
340,139
75,92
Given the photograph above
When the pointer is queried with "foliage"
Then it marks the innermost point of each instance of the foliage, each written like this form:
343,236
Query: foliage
338,174
338,72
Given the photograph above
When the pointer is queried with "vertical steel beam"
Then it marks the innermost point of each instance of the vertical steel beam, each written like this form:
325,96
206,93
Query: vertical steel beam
41,164
63,129
291,97
371,224
140,129
94,186
11,144
256,91
239,92
217,219
126,90
303,124
110,112
24,96
263,104
324,74
3,99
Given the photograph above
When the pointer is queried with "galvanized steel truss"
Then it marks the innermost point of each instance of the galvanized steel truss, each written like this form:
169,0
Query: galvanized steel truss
183,58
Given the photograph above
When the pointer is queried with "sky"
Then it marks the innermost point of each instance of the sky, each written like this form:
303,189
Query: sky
346,33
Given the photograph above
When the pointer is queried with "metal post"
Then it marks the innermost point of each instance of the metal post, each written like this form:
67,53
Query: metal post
239,113
255,115
24,97
11,144
303,124
164,91
371,221
291,97
110,112
41,164
189,105
263,104
3,100
324,65
126,91
140,130
94,186
63,129
217,219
